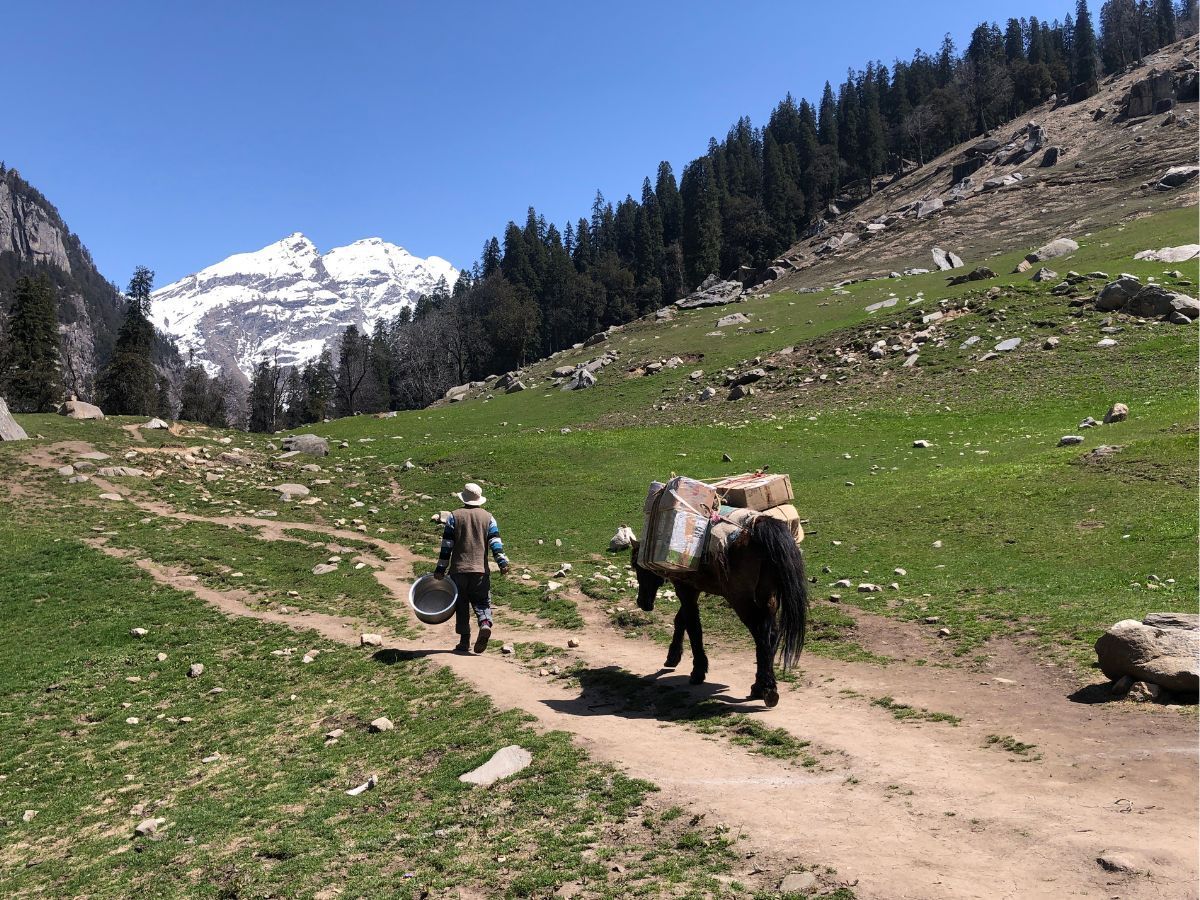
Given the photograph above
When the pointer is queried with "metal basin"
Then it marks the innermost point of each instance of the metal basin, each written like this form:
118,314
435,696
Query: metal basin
432,600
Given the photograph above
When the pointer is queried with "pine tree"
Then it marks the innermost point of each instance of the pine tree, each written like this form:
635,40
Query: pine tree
266,397
128,385
31,375
201,399
1083,48
671,204
1164,14
701,221
827,125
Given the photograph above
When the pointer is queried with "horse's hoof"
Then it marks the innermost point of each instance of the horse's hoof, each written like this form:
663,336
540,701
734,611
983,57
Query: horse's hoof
771,697
697,678
756,693
673,658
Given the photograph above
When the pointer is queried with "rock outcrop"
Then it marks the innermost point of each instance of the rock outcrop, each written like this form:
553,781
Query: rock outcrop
712,292
1163,649
9,429
77,409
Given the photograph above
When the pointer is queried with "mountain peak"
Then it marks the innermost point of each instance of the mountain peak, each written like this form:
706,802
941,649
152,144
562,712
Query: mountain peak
288,298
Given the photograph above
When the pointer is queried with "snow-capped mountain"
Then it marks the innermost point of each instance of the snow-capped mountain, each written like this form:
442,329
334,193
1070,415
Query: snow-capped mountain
289,299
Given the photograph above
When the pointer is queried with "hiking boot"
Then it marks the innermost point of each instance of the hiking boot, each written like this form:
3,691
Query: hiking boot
462,646
485,634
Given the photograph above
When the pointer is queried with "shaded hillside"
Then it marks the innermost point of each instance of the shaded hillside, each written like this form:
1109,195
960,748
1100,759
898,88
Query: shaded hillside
34,239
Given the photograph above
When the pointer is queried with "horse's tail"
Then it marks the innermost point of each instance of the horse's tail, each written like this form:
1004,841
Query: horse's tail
785,558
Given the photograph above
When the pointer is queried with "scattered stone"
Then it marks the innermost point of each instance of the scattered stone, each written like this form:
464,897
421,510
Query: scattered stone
147,827
928,207
931,620
798,883
922,444
370,640
138,632
1143,692
708,393
289,491
1057,247
1118,412
572,643
1116,862
195,670
740,391
212,758
580,381
1008,344
382,724
1050,343
312,444
867,588
712,292
324,568
29,815
1089,422
732,319
155,424
1044,274
1106,342
505,762
365,786
508,650
1068,440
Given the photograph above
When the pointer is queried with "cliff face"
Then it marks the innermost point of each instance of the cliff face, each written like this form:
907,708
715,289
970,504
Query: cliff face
33,240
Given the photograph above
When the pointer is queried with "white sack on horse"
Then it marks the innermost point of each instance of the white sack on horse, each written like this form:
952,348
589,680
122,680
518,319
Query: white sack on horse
623,539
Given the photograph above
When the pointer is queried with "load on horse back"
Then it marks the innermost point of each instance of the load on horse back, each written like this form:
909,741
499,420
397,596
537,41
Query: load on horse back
749,557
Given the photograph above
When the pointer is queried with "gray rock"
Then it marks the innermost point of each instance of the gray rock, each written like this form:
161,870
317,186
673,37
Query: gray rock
1178,318
1182,253
1057,247
1068,440
598,338
289,491
921,444
195,670
798,883
1116,294
1050,157
582,380
712,292
146,827
1161,654
946,260
120,472
1118,412
1153,300
1188,621
383,723
708,393
9,429
515,388
928,207
1183,305
312,444
1176,176
1143,692
324,568
750,376
1119,862
77,409
155,424
1050,343
1008,344
1044,274
505,762
970,342
740,391
563,372
732,319
368,639
1089,422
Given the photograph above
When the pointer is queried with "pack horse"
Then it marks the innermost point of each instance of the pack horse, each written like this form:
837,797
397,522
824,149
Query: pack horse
750,557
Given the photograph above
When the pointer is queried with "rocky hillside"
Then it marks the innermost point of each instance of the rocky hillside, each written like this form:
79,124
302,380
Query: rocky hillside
288,299
1063,169
34,239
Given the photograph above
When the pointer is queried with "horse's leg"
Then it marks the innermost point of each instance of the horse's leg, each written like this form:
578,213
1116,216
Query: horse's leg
689,602
675,651
766,643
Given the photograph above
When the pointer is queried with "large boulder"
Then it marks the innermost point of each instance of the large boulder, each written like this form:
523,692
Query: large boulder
457,393
312,444
945,259
9,429
1153,301
712,292
1057,247
1157,650
1144,95
928,207
77,409
1182,253
1176,176
581,380
1116,294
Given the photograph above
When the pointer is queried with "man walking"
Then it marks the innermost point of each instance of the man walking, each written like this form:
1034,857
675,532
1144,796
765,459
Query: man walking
469,534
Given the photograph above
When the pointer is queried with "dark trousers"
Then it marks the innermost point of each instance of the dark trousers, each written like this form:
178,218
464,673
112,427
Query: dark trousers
474,593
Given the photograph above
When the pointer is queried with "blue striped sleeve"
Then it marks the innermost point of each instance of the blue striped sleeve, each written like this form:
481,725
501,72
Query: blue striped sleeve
447,544
496,544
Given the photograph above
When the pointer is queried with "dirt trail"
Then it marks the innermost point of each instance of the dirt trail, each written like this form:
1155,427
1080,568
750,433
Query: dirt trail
908,810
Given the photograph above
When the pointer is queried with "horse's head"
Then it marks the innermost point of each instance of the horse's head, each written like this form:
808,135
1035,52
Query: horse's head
648,582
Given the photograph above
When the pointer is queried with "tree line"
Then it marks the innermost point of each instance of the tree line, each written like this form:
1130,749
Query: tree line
540,288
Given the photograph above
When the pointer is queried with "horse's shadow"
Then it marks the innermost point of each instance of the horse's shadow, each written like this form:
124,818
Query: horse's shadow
665,695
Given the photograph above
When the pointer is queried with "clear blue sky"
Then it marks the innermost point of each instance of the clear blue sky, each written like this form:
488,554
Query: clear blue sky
174,134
